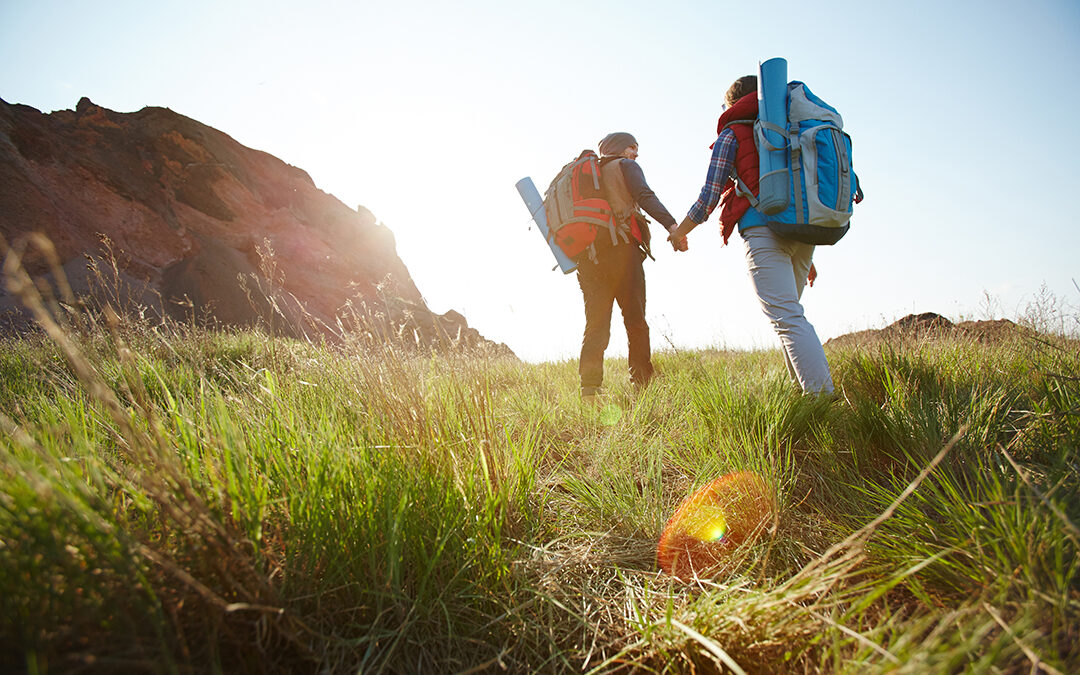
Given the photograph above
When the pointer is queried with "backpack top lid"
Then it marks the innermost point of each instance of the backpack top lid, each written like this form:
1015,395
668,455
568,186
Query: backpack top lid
804,105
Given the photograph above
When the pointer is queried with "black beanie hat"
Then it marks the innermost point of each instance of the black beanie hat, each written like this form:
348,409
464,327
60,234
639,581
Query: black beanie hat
615,143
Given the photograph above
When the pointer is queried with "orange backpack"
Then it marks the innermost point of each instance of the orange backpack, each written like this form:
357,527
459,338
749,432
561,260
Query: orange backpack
576,207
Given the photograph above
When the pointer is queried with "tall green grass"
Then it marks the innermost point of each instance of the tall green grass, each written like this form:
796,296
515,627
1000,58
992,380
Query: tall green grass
177,499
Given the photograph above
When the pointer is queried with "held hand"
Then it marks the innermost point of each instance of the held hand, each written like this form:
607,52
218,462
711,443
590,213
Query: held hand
678,242
683,228
812,276
679,232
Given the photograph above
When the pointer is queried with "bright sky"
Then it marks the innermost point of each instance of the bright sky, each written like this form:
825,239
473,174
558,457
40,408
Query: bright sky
428,113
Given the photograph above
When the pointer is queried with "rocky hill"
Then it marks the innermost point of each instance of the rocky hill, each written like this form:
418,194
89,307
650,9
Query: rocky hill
930,326
200,227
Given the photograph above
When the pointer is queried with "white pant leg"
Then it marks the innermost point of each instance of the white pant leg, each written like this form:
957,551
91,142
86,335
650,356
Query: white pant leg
778,269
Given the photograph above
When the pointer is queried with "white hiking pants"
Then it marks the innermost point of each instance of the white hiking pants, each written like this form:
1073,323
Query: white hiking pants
778,269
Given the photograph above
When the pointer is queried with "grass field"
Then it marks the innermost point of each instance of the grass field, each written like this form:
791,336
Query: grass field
176,499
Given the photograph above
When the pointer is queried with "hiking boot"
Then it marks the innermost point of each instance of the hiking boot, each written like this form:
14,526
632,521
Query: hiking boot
590,395
642,384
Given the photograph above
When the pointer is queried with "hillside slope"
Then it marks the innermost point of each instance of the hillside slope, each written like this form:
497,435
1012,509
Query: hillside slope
199,225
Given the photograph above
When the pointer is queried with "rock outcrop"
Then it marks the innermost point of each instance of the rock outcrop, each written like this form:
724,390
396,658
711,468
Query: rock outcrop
201,227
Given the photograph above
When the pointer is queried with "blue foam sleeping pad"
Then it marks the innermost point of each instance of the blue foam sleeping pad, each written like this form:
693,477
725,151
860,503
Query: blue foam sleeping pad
774,176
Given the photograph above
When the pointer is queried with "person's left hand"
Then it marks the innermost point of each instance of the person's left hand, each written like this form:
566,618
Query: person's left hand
812,276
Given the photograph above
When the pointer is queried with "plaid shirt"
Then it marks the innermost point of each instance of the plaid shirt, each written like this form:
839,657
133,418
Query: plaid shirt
720,171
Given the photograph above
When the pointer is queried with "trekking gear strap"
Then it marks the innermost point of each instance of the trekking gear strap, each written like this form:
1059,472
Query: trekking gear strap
763,140
796,170
742,190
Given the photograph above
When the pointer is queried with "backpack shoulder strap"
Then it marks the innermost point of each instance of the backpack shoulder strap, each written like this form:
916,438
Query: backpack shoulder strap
741,188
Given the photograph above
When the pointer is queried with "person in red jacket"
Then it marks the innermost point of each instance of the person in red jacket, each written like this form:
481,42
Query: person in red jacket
779,267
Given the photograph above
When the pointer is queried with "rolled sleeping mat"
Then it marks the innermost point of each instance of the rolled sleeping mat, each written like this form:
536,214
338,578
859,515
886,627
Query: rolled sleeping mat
535,204
771,133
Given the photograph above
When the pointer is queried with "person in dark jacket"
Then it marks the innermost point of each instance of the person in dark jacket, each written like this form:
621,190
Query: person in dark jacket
613,270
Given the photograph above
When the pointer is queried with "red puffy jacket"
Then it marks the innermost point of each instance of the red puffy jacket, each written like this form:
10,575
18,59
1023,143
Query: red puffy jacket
732,206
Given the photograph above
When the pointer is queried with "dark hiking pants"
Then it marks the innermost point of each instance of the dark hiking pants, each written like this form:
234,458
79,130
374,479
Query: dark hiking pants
617,276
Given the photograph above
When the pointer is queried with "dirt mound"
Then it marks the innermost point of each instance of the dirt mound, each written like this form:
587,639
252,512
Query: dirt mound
931,326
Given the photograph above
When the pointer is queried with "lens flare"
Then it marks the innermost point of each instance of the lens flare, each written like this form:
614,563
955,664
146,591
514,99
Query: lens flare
711,522
707,523
610,415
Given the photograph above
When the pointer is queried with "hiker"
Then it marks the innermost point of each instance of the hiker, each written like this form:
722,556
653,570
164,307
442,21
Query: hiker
613,272
779,267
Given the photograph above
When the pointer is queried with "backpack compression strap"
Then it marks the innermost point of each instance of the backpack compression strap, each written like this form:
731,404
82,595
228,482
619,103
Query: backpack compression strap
796,170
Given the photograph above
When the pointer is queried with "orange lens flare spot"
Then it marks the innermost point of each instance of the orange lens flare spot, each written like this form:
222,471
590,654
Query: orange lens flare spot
712,521
706,523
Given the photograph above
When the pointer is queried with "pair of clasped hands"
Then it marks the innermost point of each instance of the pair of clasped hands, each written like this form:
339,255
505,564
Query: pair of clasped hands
679,242
677,235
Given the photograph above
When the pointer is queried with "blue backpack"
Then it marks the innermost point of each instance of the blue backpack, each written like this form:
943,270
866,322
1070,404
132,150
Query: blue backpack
806,196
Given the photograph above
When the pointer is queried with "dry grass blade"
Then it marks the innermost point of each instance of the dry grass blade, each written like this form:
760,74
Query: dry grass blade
616,657
710,646
180,573
487,665
1036,662
862,639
